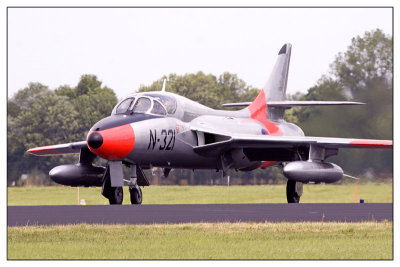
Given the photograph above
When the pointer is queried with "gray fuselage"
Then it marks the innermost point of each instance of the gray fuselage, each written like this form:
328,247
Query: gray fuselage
167,140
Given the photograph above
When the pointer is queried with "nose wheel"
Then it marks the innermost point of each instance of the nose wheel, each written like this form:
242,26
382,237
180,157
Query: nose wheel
136,195
116,195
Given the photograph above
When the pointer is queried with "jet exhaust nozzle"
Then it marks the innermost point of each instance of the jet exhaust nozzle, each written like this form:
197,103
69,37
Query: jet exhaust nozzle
78,175
313,171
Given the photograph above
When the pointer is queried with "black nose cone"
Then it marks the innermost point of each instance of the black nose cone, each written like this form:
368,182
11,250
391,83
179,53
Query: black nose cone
95,140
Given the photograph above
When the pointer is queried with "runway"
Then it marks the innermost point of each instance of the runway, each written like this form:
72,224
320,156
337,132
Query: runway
184,213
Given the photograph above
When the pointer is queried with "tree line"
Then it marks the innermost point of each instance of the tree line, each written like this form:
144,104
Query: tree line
39,116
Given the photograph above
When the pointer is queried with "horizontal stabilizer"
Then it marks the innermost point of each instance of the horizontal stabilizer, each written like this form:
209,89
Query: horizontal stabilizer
290,104
58,149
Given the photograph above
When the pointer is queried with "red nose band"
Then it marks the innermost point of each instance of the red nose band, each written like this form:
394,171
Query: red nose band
116,143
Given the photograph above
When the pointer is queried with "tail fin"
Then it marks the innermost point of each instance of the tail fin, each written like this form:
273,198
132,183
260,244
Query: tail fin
274,89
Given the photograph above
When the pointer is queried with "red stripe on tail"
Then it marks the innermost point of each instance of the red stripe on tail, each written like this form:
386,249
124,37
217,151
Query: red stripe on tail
258,111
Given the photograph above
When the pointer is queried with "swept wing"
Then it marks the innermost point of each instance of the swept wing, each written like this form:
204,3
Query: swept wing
68,148
270,141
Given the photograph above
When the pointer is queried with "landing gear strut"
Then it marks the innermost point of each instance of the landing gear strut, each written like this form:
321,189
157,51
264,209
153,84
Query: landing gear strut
294,190
115,195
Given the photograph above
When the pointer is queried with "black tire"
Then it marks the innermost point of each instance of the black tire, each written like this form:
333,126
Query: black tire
116,195
136,195
294,191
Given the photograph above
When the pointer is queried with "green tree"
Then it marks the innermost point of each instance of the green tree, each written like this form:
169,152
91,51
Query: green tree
86,84
51,119
39,116
94,106
66,90
90,100
363,73
367,59
24,99
21,102
206,89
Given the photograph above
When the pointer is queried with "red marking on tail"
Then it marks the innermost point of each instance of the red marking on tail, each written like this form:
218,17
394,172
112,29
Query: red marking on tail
258,111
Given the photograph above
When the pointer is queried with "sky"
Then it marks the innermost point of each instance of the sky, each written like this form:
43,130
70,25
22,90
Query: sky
129,47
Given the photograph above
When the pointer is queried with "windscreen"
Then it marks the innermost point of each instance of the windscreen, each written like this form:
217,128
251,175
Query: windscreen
124,106
142,105
169,102
158,108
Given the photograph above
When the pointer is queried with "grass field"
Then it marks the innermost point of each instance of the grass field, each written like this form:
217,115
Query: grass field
58,195
368,240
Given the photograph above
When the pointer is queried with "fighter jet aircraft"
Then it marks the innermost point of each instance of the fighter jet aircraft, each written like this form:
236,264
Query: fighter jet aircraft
162,129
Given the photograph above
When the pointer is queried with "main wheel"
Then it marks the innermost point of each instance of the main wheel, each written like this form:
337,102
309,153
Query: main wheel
294,190
116,195
136,195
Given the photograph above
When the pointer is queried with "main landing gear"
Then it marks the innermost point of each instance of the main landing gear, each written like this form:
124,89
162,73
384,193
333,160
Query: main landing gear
294,190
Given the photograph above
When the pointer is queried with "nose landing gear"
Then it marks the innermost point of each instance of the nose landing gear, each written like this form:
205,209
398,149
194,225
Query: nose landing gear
115,195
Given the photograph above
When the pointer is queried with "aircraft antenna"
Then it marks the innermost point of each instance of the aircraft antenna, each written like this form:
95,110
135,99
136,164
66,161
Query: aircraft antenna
163,87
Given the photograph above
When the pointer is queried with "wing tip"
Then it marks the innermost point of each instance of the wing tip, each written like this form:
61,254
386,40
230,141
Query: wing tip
39,151
69,148
371,143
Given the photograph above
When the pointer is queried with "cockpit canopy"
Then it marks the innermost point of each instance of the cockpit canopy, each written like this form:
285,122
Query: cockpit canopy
149,103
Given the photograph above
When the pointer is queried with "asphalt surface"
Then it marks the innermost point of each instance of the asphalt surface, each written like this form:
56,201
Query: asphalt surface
155,214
